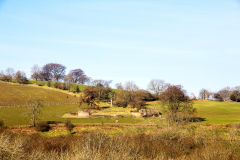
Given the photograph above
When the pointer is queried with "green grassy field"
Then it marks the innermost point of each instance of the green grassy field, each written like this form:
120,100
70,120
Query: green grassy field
14,116
16,94
213,111
218,112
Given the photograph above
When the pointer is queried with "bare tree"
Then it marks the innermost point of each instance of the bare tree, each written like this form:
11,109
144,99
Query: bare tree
193,97
36,72
46,72
2,75
21,77
103,83
105,93
9,74
83,79
69,80
157,86
35,106
78,76
225,93
131,86
58,71
204,94
53,71
237,88
118,85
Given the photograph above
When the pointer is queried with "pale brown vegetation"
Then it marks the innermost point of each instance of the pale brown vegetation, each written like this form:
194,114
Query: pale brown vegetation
181,143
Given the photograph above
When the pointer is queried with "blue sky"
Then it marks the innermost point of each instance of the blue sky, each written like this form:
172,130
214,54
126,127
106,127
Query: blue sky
192,43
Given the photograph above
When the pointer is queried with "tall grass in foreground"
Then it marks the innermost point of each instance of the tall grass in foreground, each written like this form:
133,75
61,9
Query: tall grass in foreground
181,143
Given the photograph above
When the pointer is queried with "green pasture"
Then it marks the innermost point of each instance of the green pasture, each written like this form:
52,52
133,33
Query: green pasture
14,116
213,111
218,112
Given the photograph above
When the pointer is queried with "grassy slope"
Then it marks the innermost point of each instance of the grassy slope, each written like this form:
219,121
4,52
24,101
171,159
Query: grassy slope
218,112
45,83
16,94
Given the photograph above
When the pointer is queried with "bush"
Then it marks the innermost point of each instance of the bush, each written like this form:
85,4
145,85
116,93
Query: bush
121,103
218,97
62,86
235,96
6,78
1,123
52,122
77,89
69,125
49,84
21,77
138,103
179,105
56,85
89,97
181,143
43,126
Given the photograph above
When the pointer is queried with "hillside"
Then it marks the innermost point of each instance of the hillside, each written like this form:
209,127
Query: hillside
13,94
45,83
16,94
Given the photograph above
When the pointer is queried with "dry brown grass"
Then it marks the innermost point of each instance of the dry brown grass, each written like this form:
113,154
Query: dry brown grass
181,143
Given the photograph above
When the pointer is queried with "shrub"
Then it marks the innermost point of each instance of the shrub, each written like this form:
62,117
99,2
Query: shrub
235,96
218,97
89,97
56,85
21,77
52,122
138,103
49,84
181,143
179,106
77,89
1,123
134,98
69,125
62,86
121,103
43,126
